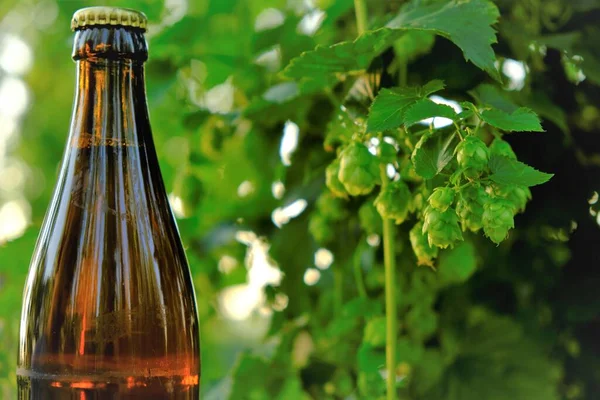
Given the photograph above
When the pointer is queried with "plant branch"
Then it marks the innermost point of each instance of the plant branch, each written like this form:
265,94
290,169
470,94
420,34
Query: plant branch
360,9
389,259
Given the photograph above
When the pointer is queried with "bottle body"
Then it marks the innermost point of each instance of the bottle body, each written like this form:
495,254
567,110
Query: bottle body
109,309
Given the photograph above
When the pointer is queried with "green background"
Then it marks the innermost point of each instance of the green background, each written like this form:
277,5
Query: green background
524,324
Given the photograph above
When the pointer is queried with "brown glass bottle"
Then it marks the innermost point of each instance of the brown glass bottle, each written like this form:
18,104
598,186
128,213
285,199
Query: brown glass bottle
109,309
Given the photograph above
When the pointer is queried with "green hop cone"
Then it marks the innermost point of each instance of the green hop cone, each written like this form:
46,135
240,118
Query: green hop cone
393,201
517,195
441,198
441,227
332,181
469,207
423,250
331,207
369,218
387,152
321,228
359,169
502,148
498,219
417,202
472,155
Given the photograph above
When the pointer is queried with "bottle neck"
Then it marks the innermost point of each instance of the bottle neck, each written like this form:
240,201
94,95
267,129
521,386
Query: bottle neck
110,104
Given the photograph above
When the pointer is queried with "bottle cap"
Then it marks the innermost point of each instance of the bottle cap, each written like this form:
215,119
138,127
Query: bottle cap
112,16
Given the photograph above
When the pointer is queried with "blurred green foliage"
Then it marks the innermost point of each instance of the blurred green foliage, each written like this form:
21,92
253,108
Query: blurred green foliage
519,320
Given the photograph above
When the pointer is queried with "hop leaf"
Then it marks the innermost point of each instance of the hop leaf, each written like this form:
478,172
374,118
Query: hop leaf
441,198
498,219
469,207
423,250
359,169
517,195
500,147
441,227
332,181
472,155
393,201
369,218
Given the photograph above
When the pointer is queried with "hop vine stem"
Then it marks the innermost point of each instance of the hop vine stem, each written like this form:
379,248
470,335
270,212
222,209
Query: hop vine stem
389,253
389,259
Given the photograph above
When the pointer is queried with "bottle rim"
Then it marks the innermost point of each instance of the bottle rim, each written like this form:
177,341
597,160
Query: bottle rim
108,16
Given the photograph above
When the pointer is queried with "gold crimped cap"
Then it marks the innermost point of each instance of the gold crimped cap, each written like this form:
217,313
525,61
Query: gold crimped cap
114,16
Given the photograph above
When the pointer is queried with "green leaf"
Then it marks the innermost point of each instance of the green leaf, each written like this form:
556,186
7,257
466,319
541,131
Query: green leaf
490,95
413,44
542,105
466,23
458,264
375,332
387,111
426,108
341,58
512,172
433,152
520,120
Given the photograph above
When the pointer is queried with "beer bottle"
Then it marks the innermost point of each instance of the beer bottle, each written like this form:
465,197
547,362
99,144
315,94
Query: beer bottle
109,308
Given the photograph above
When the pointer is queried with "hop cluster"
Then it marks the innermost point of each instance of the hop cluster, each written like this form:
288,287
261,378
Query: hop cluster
441,227
472,155
469,207
393,201
359,169
498,219
420,244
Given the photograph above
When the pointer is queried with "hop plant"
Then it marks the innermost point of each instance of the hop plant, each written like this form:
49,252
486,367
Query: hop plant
473,156
369,218
423,250
393,201
469,207
502,148
517,195
498,219
441,198
441,227
359,169
333,182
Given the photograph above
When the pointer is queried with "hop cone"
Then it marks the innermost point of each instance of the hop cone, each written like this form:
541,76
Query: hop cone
320,228
441,198
441,227
369,218
517,195
502,148
425,253
469,207
332,181
359,169
472,155
498,219
331,207
393,201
